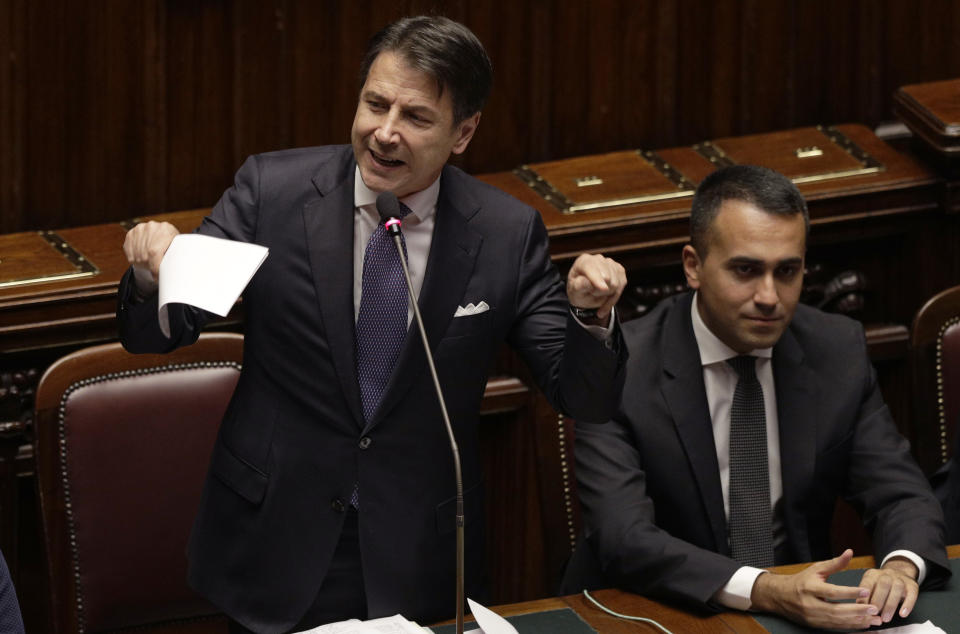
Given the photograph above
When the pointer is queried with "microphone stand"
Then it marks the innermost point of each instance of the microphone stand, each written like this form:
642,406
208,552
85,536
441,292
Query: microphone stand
393,227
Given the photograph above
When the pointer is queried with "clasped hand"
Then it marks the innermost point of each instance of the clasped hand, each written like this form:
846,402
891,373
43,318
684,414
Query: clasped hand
595,281
807,598
146,244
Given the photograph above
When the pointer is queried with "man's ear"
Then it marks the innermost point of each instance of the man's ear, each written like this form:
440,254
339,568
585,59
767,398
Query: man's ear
691,266
465,130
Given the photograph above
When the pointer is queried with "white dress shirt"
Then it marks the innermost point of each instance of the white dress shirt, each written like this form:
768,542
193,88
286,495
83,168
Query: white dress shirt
720,382
417,233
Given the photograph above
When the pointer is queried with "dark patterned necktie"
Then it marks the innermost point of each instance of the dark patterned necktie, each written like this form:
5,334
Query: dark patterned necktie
750,524
382,321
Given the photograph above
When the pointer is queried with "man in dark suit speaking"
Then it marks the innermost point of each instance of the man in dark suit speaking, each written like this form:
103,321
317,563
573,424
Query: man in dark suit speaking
330,493
744,417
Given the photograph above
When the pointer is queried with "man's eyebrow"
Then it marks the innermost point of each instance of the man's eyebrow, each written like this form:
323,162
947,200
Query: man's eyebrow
743,259
369,93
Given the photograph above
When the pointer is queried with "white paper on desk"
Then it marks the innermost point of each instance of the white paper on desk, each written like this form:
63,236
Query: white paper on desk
395,624
913,628
209,273
490,622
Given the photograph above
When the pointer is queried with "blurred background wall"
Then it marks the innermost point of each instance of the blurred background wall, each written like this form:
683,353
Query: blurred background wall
114,108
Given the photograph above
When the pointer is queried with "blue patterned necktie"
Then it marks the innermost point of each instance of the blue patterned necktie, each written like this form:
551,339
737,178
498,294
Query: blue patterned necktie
751,523
382,321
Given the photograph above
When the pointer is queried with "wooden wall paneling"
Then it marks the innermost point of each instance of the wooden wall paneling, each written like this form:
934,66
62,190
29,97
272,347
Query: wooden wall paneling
12,99
261,76
666,54
767,65
105,160
921,43
870,96
155,103
571,65
129,108
324,62
708,80
515,125
639,87
604,86
44,121
199,160
836,49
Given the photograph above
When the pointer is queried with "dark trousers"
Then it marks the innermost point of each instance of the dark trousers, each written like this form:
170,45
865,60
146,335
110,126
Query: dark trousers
342,595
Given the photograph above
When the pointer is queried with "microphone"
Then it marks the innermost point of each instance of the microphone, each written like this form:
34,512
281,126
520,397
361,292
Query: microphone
389,209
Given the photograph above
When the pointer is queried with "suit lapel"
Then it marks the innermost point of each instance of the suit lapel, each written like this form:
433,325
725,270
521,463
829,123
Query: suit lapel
328,222
453,253
683,389
797,399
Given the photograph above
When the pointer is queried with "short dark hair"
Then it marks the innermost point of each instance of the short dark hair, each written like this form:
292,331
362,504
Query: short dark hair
446,50
762,187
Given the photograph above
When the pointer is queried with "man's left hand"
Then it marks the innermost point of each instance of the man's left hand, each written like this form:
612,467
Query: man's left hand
895,584
595,281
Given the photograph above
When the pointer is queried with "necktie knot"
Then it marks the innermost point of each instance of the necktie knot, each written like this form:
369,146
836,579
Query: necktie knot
745,365
404,210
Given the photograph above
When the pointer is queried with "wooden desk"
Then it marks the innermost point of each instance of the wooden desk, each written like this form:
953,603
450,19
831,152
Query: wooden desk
674,619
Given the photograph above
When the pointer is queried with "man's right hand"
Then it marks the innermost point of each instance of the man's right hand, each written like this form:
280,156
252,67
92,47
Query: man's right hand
806,597
146,244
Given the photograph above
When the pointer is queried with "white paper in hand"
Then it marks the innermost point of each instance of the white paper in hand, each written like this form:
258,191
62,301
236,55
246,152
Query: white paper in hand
914,628
490,622
209,273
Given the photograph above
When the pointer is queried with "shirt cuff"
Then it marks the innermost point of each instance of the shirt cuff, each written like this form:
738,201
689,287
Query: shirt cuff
602,333
912,556
736,593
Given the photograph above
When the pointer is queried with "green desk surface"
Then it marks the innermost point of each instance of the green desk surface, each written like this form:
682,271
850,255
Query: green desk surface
940,607
563,621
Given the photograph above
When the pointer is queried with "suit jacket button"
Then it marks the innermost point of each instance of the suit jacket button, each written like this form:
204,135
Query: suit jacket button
337,505
365,442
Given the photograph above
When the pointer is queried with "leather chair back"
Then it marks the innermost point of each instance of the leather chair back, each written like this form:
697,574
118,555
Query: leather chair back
935,360
122,444
559,502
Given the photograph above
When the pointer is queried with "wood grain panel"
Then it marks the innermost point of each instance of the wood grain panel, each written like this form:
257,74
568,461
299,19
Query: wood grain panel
12,97
110,109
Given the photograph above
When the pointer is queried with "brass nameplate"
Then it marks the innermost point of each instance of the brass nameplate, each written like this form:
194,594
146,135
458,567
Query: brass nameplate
36,258
808,152
825,153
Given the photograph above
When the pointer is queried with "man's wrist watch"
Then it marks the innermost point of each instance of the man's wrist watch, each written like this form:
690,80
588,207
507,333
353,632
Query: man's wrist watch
583,314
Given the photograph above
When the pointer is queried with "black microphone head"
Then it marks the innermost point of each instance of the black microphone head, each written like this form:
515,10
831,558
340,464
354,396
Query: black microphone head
388,206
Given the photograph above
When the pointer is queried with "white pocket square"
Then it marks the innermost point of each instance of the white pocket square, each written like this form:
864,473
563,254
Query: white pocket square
471,309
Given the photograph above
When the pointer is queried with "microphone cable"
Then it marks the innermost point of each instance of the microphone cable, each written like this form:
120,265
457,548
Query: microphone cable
625,616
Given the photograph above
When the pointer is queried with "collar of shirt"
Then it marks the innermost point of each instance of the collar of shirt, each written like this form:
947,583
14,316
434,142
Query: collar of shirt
422,204
712,350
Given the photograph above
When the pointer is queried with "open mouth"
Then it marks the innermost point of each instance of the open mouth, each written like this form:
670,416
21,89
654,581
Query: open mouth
384,161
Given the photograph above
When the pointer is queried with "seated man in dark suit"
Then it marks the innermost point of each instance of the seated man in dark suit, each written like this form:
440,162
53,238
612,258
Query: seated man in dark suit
10,620
946,486
744,417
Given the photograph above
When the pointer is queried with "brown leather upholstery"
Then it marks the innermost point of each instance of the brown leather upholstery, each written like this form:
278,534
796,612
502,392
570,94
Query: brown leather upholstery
935,340
559,504
122,445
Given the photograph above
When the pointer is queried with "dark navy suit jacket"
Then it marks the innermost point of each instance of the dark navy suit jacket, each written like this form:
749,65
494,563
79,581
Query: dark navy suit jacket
649,479
11,622
293,441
